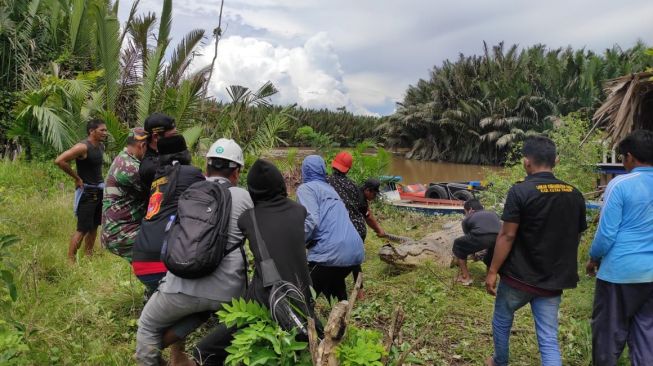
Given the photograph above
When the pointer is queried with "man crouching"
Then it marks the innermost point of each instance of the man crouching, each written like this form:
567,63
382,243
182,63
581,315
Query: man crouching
481,228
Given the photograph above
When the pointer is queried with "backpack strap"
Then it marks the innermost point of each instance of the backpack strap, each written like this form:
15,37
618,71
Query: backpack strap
172,183
269,273
224,182
227,184
242,252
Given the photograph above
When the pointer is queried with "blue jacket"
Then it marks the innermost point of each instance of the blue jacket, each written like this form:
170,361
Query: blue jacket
624,239
335,241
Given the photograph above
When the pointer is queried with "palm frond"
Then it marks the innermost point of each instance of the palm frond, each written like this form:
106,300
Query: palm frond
117,130
129,22
267,135
131,68
139,30
53,129
622,108
265,91
76,16
109,51
147,89
182,57
238,93
192,135
189,96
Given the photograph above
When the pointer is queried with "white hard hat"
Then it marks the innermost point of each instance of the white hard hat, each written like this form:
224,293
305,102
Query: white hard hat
226,149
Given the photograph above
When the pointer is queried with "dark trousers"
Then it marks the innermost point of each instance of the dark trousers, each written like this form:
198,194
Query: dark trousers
469,244
211,350
330,281
623,313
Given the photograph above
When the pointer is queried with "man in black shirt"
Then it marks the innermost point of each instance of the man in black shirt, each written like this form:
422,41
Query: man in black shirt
157,125
355,199
88,155
173,176
536,251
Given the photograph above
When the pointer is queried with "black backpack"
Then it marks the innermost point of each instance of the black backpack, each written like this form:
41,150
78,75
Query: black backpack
196,240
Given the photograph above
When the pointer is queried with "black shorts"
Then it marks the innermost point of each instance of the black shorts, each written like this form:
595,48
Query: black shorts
469,244
89,210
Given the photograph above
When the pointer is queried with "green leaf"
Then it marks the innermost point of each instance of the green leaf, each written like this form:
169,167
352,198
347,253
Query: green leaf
108,38
192,135
7,241
76,16
147,89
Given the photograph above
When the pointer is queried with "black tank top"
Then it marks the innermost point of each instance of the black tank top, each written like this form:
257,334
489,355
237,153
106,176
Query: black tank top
90,169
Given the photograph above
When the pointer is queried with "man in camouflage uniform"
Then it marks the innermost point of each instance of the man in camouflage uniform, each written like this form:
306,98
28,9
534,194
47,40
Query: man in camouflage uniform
124,203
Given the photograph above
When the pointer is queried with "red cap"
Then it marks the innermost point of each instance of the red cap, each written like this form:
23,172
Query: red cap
342,161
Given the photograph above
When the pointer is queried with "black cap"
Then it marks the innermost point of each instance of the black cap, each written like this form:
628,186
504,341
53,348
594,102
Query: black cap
158,123
372,184
171,145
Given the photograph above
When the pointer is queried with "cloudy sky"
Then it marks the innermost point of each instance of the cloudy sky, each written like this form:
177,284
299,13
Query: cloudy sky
362,54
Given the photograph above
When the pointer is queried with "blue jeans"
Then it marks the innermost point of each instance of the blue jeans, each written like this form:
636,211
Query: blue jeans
545,314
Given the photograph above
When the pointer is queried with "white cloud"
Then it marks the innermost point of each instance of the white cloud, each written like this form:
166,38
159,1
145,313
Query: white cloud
374,90
374,49
309,75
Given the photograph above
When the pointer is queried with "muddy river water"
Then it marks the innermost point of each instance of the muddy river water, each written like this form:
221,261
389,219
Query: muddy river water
416,171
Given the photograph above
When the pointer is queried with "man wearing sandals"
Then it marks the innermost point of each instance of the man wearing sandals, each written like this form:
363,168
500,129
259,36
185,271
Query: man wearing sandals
481,228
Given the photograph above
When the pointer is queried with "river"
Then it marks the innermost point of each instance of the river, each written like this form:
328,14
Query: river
417,171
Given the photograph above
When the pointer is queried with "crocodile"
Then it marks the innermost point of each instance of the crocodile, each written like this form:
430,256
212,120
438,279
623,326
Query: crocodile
434,247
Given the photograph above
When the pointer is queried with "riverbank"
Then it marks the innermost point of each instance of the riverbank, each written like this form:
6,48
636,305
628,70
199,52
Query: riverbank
86,314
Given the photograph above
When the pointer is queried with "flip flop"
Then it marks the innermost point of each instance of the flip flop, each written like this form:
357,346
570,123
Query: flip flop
463,282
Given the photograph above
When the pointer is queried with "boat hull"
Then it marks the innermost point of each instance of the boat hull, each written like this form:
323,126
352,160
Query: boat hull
429,209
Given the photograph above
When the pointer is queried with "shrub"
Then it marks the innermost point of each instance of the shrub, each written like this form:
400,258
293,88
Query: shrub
260,340
361,347
577,164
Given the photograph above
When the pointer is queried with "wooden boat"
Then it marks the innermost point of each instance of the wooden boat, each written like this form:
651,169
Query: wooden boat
430,206
412,199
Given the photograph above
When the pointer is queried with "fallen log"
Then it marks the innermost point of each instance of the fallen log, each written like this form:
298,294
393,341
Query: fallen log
334,331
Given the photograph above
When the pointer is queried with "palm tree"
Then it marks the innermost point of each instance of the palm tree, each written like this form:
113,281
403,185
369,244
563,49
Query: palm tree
52,114
474,109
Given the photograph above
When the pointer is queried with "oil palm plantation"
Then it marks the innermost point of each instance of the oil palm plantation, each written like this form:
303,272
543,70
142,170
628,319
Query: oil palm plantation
473,109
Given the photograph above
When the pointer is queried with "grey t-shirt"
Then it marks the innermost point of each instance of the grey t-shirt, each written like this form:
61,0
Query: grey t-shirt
228,280
482,222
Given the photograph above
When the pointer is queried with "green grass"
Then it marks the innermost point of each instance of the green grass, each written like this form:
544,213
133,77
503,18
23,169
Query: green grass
86,314
453,322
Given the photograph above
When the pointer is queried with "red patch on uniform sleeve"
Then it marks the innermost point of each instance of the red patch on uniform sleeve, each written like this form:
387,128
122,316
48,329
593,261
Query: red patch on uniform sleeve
154,206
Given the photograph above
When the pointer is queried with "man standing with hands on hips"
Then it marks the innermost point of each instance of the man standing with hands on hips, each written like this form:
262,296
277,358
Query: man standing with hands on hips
88,155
